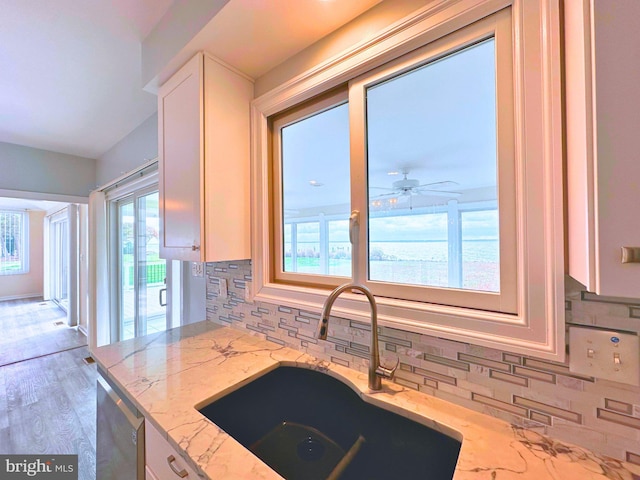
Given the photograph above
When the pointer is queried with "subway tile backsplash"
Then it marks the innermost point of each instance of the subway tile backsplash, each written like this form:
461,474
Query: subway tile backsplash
537,394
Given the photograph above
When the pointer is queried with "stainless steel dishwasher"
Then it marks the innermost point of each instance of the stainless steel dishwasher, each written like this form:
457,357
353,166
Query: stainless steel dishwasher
120,435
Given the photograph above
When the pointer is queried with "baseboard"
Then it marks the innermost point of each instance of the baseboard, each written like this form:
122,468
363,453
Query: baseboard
83,329
21,297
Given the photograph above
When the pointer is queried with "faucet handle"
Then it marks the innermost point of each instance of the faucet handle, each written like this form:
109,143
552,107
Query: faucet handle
386,372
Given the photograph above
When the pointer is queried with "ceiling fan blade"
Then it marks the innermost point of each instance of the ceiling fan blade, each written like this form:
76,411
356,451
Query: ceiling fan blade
438,193
444,183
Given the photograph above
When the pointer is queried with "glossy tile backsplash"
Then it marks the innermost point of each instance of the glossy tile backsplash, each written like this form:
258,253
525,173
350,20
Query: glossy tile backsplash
537,394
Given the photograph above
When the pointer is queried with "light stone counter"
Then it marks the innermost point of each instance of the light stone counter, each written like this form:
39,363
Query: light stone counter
169,375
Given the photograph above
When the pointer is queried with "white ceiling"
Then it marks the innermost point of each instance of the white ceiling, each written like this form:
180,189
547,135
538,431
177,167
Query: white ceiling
70,77
70,70
27,204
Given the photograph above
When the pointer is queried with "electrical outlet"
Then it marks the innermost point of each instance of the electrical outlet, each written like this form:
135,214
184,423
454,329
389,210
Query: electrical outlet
224,291
197,269
605,354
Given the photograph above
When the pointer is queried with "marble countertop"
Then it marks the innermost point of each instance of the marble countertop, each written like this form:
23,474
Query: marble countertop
168,375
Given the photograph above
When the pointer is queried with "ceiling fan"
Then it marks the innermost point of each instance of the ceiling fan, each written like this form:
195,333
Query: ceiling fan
411,186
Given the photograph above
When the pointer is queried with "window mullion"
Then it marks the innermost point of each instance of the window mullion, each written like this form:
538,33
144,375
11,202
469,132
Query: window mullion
359,197
454,233
324,244
294,246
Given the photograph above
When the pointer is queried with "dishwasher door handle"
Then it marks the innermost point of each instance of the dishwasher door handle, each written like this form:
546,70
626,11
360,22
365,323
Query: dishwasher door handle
133,420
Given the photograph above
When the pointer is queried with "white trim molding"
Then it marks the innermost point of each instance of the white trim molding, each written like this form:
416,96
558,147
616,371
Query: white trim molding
537,329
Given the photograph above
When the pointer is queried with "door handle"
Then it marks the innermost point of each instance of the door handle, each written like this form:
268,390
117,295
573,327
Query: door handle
354,222
162,304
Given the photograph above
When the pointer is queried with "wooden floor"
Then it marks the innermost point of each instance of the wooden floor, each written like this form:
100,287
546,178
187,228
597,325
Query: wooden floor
47,399
31,328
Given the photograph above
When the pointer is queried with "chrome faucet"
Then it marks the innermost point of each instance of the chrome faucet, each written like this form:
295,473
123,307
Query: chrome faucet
376,370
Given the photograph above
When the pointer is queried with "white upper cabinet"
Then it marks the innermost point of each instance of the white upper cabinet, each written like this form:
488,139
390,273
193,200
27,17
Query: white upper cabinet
204,143
602,55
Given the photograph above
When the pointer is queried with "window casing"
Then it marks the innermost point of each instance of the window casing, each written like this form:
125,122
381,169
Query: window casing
14,242
523,312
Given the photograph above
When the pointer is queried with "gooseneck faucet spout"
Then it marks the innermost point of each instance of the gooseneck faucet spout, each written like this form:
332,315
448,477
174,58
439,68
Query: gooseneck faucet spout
376,370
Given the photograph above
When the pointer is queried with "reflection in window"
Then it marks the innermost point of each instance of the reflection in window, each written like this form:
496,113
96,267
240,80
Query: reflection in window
431,161
316,194
410,249
480,250
321,247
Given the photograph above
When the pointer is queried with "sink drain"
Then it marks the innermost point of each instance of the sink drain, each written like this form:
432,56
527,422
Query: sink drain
310,449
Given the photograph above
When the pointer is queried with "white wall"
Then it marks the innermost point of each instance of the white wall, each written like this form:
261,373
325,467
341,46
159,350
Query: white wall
360,29
194,290
176,28
27,169
29,284
140,146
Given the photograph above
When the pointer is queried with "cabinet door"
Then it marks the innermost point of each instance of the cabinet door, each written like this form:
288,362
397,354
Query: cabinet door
228,96
162,461
148,474
603,120
180,151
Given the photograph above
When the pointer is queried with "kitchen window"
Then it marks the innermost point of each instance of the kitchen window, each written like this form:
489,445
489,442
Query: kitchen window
14,242
433,175
403,167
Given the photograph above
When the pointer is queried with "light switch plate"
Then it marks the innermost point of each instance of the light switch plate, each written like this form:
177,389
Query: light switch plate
605,354
197,269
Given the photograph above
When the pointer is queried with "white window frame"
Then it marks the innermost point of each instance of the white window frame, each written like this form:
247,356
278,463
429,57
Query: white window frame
505,301
24,244
131,191
326,102
537,328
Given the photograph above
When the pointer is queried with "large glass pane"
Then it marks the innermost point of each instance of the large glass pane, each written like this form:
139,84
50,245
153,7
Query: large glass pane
480,252
409,249
60,262
316,194
431,154
339,248
11,243
126,246
151,268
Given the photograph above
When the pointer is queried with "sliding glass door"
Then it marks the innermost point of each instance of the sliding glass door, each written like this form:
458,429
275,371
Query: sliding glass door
59,255
141,284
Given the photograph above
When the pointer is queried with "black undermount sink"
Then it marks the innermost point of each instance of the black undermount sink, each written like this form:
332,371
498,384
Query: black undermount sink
307,425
